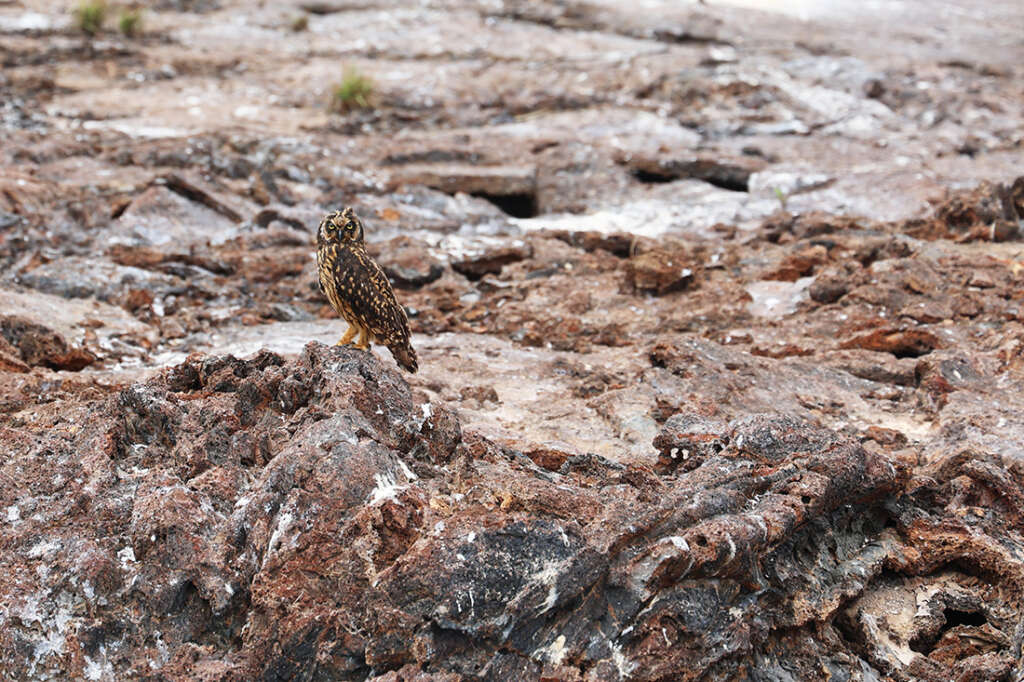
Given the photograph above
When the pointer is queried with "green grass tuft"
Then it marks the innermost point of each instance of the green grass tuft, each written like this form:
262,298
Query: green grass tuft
782,197
300,23
90,15
130,22
354,92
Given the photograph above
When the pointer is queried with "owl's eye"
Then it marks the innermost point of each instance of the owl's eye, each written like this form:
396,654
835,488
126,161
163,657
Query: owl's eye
350,227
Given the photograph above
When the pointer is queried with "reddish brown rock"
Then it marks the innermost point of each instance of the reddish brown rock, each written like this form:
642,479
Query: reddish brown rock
10,357
900,342
879,366
407,262
659,272
312,508
622,244
832,284
687,441
728,172
495,181
784,226
800,264
990,212
172,512
478,262
39,345
513,189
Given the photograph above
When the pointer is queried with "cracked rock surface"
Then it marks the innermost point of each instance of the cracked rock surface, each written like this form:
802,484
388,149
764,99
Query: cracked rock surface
718,310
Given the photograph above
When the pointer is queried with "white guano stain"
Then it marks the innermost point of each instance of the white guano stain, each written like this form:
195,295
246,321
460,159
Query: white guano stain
554,652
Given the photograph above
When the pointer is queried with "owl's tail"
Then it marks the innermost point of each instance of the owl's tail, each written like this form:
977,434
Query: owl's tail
405,356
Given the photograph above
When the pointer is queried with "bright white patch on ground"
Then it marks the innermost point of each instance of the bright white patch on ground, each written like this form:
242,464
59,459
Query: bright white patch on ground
43,548
679,542
407,471
563,536
284,523
554,652
773,300
100,669
30,613
127,556
26,21
623,664
387,488
428,412
548,576
53,645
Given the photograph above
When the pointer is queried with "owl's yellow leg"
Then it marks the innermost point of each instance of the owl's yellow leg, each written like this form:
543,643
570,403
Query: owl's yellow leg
364,339
348,335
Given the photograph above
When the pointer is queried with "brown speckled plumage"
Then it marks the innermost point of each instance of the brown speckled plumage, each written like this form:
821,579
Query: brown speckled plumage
359,290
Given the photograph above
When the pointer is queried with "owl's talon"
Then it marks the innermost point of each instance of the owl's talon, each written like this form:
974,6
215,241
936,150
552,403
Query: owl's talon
347,338
364,340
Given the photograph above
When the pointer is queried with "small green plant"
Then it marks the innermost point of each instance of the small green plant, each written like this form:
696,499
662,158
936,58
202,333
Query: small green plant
353,92
781,196
130,22
90,15
300,23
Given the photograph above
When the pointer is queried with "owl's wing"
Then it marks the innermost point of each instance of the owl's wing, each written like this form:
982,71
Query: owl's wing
372,299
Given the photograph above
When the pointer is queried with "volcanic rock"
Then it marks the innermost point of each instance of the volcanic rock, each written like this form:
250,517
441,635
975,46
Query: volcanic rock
407,262
659,272
802,460
336,526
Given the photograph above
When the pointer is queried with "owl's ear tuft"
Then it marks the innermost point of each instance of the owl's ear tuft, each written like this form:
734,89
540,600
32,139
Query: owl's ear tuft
349,213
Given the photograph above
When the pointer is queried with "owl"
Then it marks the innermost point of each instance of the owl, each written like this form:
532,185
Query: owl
359,290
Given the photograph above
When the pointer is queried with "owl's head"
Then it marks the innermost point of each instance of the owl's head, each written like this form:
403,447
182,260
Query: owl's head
341,226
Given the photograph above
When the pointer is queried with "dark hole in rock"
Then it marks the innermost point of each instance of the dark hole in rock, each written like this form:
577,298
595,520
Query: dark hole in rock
911,352
516,205
186,592
701,541
925,643
968,567
731,184
649,178
724,181
806,499
955,617
849,632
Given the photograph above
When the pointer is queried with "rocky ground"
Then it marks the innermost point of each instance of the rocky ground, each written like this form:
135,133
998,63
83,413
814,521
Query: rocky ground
719,315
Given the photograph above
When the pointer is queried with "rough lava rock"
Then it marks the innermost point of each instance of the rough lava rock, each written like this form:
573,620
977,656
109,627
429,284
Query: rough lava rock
312,519
659,272
721,341
39,345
